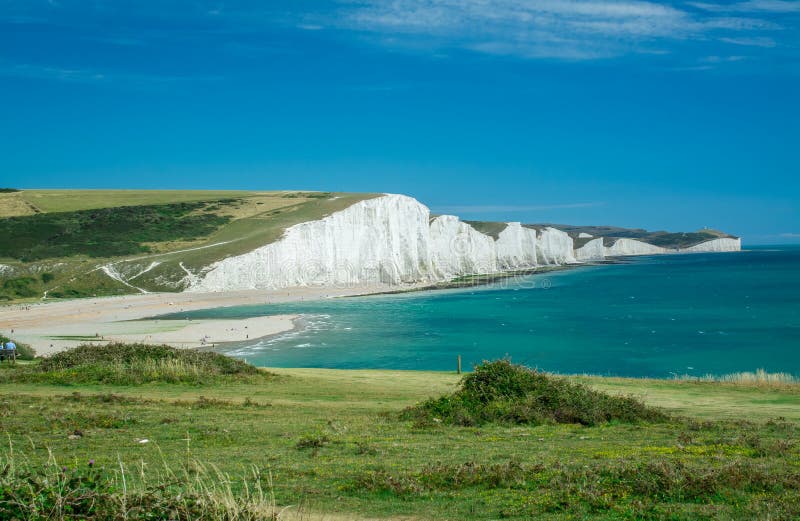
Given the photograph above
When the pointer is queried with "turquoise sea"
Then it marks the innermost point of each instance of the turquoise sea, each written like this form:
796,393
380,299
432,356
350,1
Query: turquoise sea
648,317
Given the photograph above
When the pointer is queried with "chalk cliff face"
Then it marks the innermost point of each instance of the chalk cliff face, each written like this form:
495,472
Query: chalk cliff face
624,247
716,245
516,246
591,251
554,247
390,240
393,240
458,249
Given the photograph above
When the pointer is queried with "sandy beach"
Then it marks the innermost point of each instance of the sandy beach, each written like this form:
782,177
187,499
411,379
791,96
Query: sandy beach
54,326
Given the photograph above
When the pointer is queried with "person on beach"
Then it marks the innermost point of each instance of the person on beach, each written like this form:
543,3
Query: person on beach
10,352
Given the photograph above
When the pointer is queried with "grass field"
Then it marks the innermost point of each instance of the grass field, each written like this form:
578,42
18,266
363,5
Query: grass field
334,444
27,202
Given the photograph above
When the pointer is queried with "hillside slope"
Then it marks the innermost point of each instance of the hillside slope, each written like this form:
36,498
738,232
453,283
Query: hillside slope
75,243
63,243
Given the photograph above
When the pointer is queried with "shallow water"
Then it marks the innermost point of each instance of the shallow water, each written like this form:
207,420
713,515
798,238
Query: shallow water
653,316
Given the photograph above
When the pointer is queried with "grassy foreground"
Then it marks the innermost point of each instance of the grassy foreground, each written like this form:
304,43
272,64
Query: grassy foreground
335,442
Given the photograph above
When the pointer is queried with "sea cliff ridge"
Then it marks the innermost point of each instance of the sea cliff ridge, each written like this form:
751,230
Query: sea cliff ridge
394,239
73,243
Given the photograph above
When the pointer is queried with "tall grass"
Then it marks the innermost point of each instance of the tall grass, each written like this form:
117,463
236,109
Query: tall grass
758,378
195,492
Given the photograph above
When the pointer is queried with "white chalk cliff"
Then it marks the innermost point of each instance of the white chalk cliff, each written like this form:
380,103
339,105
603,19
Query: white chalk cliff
393,240
625,247
716,245
390,239
591,251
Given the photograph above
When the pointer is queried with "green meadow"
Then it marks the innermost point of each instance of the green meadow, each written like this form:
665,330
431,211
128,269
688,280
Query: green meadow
331,444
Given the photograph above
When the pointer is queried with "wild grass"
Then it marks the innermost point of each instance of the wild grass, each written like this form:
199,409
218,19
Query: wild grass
47,201
758,378
66,491
503,392
629,488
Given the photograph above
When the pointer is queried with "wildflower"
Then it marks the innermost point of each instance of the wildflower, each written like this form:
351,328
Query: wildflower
91,463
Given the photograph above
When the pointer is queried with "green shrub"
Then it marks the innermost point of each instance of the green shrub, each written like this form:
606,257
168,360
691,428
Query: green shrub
21,287
134,364
503,392
312,441
71,293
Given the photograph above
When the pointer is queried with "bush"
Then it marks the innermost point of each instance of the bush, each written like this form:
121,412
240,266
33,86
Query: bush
21,287
133,364
503,392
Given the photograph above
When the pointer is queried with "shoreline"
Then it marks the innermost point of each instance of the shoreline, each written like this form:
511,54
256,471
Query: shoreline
469,281
50,327
54,326
485,279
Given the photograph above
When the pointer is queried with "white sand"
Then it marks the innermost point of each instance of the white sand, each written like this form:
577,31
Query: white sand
53,326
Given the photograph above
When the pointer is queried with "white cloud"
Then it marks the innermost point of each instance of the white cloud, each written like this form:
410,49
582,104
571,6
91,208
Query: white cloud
722,59
566,29
756,41
752,6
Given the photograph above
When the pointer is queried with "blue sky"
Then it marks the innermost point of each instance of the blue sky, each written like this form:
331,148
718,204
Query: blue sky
671,115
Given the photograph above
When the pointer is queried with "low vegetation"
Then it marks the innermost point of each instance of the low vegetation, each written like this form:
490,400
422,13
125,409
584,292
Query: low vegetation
104,232
760,378
133,364
249,447
502,392
24,287
83,490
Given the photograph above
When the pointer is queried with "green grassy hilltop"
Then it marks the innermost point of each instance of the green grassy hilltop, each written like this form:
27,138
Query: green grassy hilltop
372,444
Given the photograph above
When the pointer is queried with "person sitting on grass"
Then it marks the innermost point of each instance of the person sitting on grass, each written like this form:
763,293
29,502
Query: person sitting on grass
10,352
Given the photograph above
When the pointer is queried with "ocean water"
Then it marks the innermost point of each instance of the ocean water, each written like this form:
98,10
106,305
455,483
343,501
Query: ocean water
647,317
